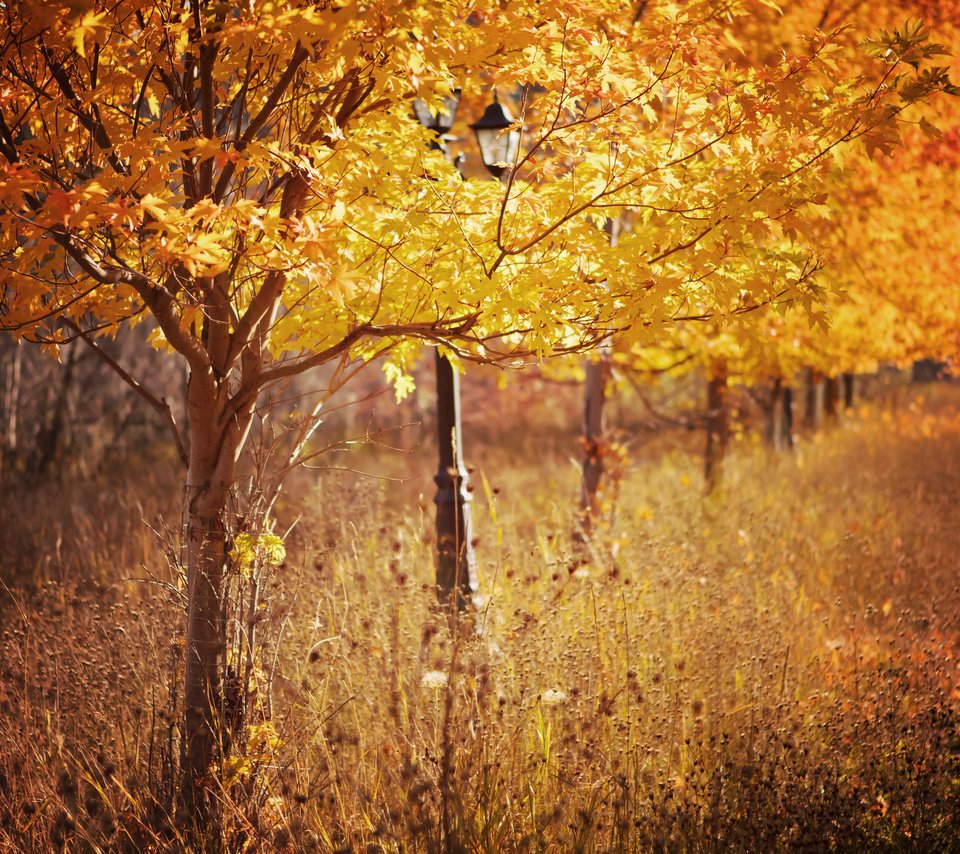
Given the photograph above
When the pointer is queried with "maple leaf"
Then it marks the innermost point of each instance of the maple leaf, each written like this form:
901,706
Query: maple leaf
91,26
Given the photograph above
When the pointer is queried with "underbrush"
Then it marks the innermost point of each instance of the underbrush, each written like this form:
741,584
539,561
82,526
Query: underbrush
772,669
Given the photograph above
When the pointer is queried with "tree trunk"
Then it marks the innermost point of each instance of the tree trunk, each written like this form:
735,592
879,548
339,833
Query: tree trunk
718,427
205,645
11,405
927,371
813,411
12,398
594,397
787,417
49,438
831,398
215,441
219,413
780,417
848,389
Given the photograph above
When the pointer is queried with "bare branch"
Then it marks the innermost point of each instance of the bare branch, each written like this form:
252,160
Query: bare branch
261,118
158,403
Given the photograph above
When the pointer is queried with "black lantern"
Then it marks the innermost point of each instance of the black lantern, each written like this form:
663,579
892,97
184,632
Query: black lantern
441,121
497,138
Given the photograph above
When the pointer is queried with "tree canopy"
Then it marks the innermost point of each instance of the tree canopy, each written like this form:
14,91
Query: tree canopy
252,177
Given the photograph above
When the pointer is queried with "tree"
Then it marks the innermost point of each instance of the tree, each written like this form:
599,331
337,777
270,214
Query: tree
250,177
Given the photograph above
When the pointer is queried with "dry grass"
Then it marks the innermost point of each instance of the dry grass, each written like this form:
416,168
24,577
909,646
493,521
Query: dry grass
772,670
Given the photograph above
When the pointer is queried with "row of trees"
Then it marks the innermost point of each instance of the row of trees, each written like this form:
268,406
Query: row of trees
883,239
251,180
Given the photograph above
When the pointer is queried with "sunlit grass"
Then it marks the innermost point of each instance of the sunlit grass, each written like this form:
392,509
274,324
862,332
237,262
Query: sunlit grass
772,668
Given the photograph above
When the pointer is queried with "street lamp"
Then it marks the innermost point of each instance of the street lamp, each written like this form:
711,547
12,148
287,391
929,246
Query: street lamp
499,141
498,138
456,563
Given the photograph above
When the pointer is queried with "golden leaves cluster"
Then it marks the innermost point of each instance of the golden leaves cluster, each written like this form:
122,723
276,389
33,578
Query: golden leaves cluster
150,151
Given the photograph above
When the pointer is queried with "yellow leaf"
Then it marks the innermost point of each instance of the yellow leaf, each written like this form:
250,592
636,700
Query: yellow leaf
88,27
154,206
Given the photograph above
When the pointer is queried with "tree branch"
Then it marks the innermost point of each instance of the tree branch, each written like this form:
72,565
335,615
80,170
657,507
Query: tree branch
97,130
291,202
158,403
261,118
157,299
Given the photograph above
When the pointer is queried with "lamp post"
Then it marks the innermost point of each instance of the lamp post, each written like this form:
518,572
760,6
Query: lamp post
456,573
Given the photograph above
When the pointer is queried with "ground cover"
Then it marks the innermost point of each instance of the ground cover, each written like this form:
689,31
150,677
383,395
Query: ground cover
773,668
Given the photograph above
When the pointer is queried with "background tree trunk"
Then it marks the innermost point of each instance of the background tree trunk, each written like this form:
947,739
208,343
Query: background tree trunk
848,390
718,426
594,398
831,398
780,415
50,434
813,411
11,402
787,417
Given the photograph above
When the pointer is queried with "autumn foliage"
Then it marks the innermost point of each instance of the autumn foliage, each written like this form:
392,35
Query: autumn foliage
249,183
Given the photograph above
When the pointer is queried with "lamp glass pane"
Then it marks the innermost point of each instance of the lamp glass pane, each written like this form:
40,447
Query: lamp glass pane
489,141
498,146
511,145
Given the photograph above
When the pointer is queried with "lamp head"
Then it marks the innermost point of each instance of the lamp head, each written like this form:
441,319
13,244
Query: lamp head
497,138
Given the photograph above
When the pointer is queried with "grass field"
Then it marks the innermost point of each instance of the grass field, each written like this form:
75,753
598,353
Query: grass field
774,668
